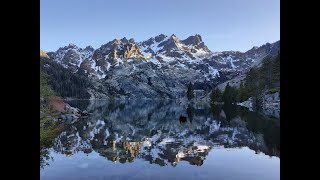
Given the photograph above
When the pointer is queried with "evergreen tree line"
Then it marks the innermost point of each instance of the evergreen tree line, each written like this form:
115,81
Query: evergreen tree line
257,81
45,89
64,82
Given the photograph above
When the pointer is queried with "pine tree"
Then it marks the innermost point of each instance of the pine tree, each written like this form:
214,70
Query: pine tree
45,89
190,93
241,91
226,94
234,95
230,95
190,112
216,95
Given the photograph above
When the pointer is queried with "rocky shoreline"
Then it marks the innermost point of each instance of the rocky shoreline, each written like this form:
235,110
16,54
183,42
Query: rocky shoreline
72,114
67,113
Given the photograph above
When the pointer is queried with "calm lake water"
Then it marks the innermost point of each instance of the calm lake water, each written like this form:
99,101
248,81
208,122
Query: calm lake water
164,140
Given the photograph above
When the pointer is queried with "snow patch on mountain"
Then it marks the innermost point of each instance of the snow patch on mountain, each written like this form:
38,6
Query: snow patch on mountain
213,72
118,61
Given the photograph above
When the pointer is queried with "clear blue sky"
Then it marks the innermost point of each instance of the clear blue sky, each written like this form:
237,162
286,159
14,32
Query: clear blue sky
223,24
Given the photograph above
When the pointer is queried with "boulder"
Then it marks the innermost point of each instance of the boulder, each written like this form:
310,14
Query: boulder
84,113
68,117
72,110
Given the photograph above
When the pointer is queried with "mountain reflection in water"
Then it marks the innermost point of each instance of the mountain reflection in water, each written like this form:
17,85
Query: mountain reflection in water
165,132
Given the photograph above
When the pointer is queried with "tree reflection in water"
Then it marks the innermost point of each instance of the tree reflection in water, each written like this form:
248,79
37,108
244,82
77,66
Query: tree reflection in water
150,130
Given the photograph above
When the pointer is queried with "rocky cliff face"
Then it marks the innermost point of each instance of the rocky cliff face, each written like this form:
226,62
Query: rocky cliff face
159,67
43,54
118,48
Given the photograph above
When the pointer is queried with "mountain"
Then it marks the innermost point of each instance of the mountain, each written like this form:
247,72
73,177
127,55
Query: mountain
64,82
159,67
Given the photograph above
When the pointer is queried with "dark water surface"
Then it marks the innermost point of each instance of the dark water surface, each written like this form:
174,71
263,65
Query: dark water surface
164,140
